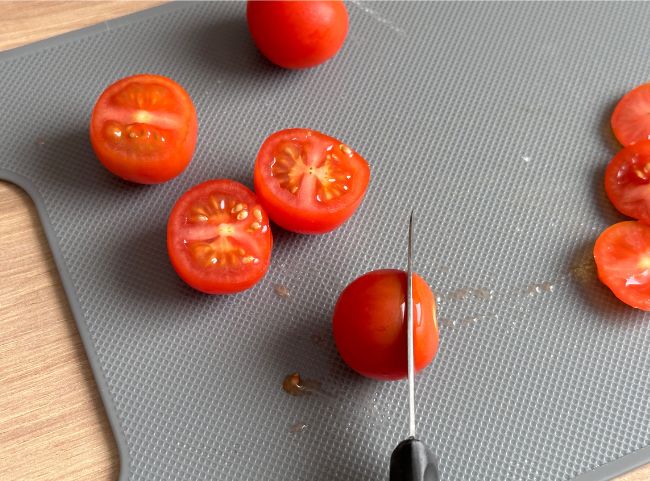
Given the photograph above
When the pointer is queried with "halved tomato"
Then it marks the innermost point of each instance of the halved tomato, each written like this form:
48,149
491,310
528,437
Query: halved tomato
218,237
309,182
143,129
622,254
631,117
627,181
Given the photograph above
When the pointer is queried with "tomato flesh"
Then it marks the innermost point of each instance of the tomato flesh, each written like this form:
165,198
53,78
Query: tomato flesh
622,255
309,182
218,237
369,324
144,128
631,117
297,34
627,181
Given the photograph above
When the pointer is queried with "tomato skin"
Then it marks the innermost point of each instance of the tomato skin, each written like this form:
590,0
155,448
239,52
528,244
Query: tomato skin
204,277
144,160
297,34
308,216
630,120
622,255
369,324
627,181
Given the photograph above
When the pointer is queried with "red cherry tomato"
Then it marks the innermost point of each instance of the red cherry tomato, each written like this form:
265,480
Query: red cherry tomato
631,117
622,254
309,182
627,181
143,129
370,324
218,237
297,34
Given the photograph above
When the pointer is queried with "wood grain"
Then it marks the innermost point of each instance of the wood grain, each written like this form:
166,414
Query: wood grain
52,423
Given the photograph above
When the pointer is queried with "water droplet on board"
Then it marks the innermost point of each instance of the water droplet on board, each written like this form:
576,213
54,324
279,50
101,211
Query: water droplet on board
296,386
297,427
447,323
459,294
483,293
281,291
540,288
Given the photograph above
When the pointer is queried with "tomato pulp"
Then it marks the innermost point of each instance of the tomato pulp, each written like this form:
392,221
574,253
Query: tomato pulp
143,128
309,182
627,181
622,255
297,34
370,324
218,237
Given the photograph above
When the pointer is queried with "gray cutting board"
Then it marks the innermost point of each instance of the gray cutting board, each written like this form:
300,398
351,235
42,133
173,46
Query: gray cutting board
491,119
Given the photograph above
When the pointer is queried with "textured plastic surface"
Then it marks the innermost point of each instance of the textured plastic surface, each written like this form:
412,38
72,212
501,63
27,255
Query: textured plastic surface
489,119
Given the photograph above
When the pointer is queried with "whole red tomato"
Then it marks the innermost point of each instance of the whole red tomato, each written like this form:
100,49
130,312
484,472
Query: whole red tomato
298,34
370,324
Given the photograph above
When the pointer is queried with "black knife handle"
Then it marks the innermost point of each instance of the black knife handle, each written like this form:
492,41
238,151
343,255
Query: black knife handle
412,461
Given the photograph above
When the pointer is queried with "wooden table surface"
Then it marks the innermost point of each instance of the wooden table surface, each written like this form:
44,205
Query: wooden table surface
52,423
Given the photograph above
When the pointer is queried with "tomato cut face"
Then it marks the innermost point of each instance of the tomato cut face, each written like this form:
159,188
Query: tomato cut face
631,117
143,129
309,182
218,237
627,181
370,324
297,34
622,254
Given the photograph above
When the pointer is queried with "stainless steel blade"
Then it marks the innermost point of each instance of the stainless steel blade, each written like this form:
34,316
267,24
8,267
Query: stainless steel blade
409,328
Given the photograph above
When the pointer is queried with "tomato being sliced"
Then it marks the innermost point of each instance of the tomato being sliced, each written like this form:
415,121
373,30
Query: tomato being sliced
622,254
218,237
309,182
143,128
631,117
370,324
627,181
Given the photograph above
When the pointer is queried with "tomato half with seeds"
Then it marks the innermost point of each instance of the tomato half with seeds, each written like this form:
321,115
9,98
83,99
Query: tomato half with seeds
622,254
631,117
370,324
627,181
309,182
218,237
143,128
